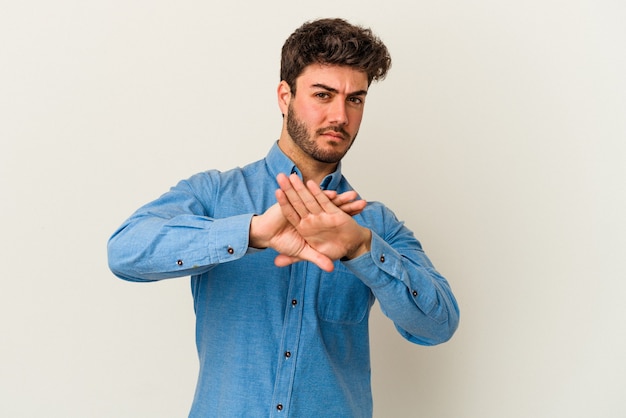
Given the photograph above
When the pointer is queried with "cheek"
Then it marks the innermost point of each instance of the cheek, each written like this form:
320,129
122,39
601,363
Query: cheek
313,115
355,119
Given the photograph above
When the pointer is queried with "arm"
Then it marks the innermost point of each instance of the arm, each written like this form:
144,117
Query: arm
177,234
411,292
390,261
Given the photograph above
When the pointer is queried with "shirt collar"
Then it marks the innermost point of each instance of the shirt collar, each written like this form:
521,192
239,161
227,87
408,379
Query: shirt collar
277,162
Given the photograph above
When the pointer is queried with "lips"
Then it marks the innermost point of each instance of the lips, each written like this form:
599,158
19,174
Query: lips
334,134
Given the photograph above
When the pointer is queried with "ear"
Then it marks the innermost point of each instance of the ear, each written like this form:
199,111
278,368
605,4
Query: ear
284,96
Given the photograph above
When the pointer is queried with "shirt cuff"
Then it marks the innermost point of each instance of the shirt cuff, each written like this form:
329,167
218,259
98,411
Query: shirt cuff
380,257
229,237
383,265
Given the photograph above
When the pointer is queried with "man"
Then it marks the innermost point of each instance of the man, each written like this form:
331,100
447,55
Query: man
285,259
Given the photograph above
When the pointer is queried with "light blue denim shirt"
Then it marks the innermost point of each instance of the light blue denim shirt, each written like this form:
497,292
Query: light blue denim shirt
279,342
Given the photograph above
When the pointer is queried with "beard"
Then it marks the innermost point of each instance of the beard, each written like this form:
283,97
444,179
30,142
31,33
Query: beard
299,132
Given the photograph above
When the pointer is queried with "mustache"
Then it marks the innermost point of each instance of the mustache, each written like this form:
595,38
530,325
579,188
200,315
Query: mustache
337,129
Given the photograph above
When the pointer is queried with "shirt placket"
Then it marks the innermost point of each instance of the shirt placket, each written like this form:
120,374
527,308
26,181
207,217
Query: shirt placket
288,354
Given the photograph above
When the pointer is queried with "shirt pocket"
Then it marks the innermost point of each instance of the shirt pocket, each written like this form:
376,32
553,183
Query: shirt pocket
343,298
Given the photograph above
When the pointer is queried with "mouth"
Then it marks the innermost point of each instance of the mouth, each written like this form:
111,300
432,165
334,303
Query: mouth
336,135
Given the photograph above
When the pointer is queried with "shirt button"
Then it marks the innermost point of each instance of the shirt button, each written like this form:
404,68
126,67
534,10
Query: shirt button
415,293
179,262
287,354
230,250
279,406
382,258
294,302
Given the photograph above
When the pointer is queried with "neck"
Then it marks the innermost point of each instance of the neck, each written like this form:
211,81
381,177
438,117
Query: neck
310,168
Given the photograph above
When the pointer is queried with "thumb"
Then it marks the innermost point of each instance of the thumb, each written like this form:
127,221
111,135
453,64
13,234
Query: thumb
307,254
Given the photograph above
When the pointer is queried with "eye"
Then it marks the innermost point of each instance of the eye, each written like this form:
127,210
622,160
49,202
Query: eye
322,95
355,100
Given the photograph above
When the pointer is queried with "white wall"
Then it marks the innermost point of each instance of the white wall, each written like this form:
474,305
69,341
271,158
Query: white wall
499,137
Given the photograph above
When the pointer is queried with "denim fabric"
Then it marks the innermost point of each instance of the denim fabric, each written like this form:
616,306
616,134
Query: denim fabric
271,341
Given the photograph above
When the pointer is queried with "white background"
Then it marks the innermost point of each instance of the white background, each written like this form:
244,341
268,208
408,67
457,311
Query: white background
498,136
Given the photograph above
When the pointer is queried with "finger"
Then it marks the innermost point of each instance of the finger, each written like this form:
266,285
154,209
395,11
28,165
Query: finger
348,202
342,198
331,194
353,208
287,209
292,195
310,202
307,254
324,202
283,260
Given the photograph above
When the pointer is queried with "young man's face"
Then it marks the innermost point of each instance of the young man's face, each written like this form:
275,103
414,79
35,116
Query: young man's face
324,115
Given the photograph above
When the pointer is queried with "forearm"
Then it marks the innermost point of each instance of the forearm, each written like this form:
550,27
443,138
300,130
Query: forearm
148,247
410,291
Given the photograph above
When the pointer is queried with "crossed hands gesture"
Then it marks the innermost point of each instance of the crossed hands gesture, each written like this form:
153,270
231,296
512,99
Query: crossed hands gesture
310,224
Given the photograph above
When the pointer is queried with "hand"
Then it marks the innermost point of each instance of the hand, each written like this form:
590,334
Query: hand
272,230
324,227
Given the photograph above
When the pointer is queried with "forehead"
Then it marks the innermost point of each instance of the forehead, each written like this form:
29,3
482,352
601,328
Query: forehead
341,78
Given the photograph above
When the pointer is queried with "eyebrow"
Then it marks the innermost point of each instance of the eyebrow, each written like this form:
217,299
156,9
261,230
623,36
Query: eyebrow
334,90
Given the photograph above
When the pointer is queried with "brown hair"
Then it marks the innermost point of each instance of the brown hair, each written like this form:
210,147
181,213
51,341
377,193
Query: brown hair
334,42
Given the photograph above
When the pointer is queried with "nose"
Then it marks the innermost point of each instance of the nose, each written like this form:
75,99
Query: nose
337,113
